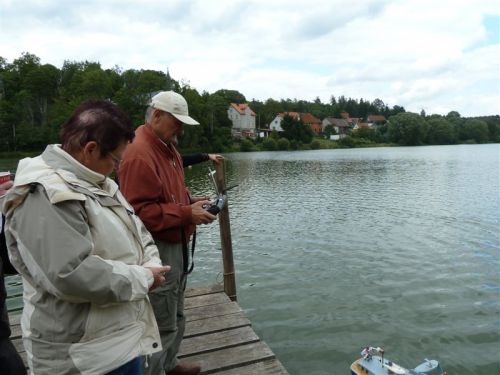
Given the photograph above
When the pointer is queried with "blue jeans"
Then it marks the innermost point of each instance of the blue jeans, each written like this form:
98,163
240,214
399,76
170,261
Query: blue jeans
132,367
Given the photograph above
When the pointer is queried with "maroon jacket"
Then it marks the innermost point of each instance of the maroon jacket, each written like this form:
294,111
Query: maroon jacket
152,179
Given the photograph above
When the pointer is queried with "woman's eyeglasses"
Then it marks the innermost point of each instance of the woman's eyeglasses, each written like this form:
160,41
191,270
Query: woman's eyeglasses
116,160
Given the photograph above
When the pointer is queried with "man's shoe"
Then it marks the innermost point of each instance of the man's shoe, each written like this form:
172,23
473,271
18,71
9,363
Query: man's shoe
185,369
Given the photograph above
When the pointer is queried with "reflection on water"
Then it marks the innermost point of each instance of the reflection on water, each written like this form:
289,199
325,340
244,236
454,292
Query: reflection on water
338,249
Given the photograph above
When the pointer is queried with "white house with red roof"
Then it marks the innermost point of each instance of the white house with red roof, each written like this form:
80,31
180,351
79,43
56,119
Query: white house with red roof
276,123
243,119
308,119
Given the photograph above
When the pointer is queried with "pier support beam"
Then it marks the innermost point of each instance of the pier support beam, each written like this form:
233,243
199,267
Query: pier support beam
225,237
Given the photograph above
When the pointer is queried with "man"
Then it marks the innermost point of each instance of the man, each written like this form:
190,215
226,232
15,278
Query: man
152,179
10,361
86,260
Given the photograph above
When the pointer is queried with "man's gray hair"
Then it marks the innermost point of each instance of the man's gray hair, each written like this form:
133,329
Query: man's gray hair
149,113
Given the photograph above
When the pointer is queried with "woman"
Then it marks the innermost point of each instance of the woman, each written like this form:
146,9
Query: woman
86,260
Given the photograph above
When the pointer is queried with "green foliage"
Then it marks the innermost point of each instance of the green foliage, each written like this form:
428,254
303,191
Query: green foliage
283,144
371,134
407,129
269,144
246,145
330,130
296,130
315,145
474,130
294,145
441,131
274,135
347,141
350,142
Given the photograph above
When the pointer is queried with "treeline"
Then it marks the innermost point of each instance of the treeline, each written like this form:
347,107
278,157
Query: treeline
411,129
36,98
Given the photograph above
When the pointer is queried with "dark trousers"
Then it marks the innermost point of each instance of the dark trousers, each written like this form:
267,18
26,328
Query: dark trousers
10,361
132,367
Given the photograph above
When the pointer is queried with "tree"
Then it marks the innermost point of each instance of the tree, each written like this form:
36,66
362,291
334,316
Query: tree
441,131
246,145
232,96
407,129
395,110
269,144
330,130
296,130
366,133
378,106
493,123
474,130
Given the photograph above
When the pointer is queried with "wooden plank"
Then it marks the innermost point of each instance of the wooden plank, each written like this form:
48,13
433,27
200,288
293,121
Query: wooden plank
15,318
269,367
205,300
215,324
193,292
232,357
203,312
217,341
18,344
15,331
218,335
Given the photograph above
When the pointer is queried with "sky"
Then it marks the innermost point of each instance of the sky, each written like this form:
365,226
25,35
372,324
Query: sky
435,55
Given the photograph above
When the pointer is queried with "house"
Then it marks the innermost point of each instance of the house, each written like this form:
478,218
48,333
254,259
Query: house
353,120
375,119
276,123
308,119
361,125
340,125
243,119
313,122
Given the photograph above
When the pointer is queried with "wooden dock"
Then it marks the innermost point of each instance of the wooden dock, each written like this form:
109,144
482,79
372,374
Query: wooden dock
218,335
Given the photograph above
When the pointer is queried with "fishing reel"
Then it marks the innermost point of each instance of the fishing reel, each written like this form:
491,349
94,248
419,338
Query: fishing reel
217,204
220,201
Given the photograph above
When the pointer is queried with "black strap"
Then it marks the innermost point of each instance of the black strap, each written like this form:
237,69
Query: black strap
185,252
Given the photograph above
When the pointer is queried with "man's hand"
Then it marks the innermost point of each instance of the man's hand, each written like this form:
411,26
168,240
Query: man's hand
198,199
216,158
158,275
199,215
5,186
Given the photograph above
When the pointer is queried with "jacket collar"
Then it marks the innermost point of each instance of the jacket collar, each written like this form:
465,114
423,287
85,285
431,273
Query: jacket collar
166,148
75,173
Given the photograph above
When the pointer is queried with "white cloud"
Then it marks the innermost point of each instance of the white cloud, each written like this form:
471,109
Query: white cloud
414,53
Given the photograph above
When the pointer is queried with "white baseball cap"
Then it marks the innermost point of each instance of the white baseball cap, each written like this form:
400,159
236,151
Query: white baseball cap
175,104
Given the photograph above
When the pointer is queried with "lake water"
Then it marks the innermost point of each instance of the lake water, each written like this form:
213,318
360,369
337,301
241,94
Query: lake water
339,249
335,250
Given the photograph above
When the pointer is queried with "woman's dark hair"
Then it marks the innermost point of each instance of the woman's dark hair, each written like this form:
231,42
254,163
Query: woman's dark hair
96,120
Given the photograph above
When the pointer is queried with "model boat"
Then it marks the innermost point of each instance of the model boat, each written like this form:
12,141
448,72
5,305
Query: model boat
372,362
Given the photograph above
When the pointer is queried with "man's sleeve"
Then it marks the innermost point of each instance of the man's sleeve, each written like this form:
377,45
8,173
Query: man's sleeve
143,189
193,159
52,245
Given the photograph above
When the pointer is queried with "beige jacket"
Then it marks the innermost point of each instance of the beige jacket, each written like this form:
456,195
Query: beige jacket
82,253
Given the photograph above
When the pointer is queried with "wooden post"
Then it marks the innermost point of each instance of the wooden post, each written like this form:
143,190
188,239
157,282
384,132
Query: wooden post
225,237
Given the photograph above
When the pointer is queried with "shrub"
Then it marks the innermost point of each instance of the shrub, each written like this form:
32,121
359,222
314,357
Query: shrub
347,141
269,144
246,145
283,144
315,145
